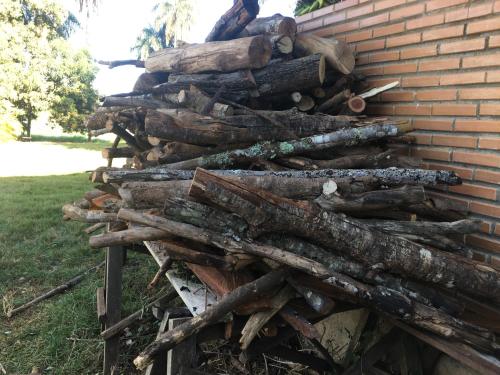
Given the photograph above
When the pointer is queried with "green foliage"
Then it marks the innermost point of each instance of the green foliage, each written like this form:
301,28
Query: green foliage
172,18
307,6
35,57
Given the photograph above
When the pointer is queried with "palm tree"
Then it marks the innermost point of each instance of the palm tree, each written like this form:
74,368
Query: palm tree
172,19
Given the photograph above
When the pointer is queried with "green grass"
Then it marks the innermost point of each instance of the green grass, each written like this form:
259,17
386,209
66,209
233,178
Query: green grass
73,141
39,251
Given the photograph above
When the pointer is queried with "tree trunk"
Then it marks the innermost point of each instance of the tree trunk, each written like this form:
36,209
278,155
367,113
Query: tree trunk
288,76
239,81
88,216
282,45
234,21
359,242
276,150
202,104
113,101
117,153
237,297
331,104
247,53
276,24
338,54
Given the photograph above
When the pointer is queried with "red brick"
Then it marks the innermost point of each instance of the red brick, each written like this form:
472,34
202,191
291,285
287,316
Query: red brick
463,78
384,56
497,231
463,46
345,4
403,40
388,4
486,175
421,81
361,11
484,242
454,109
362,60
436,95
443,33
480,61
423,139
389,30
495,262
322,12
484,26
441,64
431,153
456,15
475,191
480,93
370,46
413,110
490,109
486,227
303,18
458,202
345,27
480,10
356,37
446,125
371,70
454,141
439,4
486,209
486,126
314,24
497,6
494,76
384,110
480,257
489,143
426,21
333,18
375,20
397,96
408,11
400,68
414,53
379,82
462,172
494,41
478,158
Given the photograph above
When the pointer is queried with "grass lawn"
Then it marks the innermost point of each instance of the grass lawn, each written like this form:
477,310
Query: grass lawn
39,251
73,141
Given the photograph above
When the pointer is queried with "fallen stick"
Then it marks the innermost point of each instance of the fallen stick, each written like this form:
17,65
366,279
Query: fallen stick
126,322
58,290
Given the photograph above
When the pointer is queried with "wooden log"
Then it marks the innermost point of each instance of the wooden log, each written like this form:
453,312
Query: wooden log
131,101
371,177
354,106
177,151
240,295
334,102
288,76
116,153
198,101
132,318
95,228
305,104
58,290
257,321
338,54
363,244
234,21
276,150
282,45
241,80
147,81
425,228
87,216
372,200
275,24
126,237
247,53
116,63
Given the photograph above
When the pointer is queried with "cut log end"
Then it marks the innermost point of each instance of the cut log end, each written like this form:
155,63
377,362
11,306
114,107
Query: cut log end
356,104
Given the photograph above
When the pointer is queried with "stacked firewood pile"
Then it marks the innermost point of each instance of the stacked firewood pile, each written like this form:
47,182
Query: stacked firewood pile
246,162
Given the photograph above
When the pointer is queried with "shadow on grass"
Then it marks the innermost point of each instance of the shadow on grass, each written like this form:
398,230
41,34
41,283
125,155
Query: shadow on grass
73,142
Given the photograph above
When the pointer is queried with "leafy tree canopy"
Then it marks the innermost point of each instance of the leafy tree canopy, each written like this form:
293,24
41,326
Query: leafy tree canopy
40,71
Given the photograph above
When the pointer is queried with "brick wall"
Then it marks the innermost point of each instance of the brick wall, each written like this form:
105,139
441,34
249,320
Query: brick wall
446,55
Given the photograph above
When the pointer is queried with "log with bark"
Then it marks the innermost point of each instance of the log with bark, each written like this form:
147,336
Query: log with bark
227,56
276,24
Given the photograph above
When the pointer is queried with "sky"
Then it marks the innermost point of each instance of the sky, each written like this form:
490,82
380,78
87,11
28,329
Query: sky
112,29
